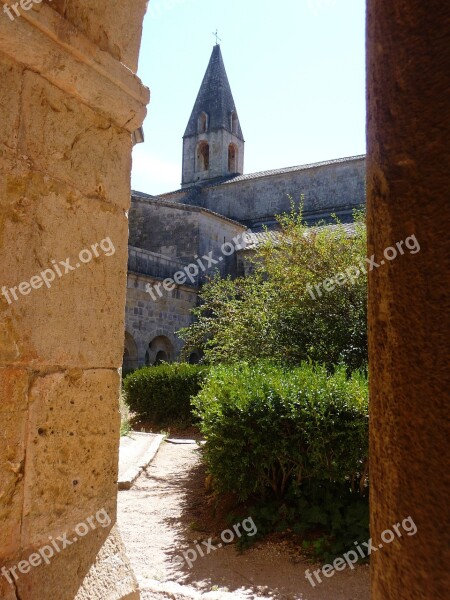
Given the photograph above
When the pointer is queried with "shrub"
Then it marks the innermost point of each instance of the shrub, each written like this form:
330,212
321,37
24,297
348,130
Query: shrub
292,441
267,426
162,394
276,313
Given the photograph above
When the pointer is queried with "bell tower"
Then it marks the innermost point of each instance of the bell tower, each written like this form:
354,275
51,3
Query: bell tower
213,143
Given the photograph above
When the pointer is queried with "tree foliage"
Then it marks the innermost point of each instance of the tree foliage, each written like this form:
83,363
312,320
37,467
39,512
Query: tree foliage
278,313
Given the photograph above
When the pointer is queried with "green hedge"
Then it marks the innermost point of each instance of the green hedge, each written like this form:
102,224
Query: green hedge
162,394
267,426
293,443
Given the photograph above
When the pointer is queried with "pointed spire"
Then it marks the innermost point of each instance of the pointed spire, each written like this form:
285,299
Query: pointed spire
214,98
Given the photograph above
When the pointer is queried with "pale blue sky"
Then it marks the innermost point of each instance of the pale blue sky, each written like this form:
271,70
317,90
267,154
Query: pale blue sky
296,69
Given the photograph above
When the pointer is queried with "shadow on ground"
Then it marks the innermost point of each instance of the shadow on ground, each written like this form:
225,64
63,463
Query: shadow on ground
167,514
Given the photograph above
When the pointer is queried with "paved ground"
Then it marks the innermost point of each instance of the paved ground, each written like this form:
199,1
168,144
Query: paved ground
158,520
136,452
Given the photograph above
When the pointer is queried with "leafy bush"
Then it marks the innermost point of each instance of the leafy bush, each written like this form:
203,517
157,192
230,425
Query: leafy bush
267,426
277,313
328,518
162,394
292,441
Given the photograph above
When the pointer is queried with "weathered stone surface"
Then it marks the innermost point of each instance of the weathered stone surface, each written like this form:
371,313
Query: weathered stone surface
95,567
182,232
13,417
114,568
69,108
51,46
335,186
85,305
10,94
156,318
113,28
68,139
409,302
7,591
73,438
70,475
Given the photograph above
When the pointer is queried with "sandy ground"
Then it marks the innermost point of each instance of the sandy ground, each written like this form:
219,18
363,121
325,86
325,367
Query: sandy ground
161,516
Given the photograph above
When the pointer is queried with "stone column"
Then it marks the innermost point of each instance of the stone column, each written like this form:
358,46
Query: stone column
408,172
70,102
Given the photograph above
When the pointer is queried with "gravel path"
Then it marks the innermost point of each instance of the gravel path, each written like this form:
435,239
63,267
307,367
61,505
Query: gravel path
157,518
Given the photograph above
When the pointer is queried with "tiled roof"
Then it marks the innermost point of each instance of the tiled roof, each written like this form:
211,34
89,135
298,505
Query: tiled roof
290,170
255,239
261,174
180,206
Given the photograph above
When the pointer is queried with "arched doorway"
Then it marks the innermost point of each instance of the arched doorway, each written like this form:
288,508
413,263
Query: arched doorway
161,357
160,350
194,358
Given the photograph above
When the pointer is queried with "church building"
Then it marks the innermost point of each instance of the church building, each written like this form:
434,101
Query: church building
218,215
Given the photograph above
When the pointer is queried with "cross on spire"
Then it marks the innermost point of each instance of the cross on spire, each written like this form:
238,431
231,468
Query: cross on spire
216,35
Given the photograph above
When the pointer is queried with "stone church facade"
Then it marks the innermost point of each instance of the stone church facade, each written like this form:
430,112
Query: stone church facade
215,219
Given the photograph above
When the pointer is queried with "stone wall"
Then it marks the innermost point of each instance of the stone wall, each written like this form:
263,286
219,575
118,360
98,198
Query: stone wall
183,232
114,26
147,319
166,238
69,108
214,234
337,186
163,229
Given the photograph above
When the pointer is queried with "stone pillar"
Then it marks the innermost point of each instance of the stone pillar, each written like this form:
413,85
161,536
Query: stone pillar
70,102
408,171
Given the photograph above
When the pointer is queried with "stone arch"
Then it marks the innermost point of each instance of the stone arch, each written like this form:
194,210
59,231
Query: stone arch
232,158
161,357
194,358
130,354
161,348
203,156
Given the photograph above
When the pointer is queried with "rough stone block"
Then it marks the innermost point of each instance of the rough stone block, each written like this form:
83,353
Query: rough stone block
67,323
95,567
72,458
112,566
13,417
74,144
7,592
116,30
10,92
